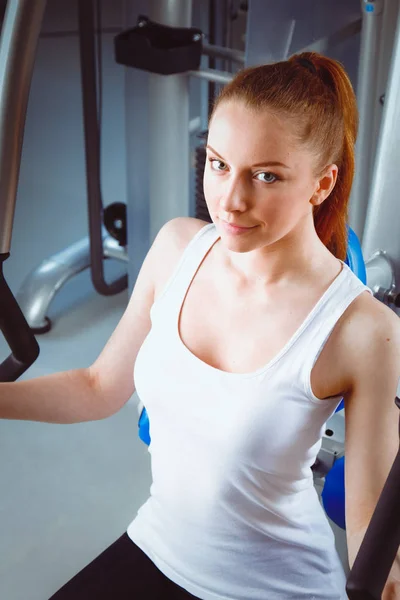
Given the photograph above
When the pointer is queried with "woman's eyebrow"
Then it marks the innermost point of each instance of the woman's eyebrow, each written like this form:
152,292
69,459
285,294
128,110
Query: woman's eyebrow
269,163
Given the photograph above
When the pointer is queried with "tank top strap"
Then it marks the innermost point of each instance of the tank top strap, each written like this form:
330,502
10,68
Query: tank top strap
173,294
328,312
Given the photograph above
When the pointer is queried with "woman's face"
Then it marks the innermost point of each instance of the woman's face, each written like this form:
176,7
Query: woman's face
259,177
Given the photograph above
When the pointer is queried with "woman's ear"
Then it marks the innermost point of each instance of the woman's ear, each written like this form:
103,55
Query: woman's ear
325,185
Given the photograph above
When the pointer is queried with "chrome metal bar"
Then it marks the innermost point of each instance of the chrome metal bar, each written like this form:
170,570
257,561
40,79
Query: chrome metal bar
221,52
112,249
19,36
332,40
41,285
212,75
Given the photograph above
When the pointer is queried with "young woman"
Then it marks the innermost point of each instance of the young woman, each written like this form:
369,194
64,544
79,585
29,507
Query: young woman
243,336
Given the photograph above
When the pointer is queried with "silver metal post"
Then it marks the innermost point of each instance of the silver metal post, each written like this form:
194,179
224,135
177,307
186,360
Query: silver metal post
388,32
383,216
168,129
19,36
367,83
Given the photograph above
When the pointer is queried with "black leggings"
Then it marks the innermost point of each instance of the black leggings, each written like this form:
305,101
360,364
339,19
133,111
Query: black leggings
121,572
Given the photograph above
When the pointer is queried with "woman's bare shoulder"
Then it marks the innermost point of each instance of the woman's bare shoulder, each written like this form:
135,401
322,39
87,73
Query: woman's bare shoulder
172,240
176,234
367,329
365,315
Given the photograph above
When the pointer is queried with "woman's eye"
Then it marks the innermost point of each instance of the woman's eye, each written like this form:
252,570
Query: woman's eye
217,165
267,177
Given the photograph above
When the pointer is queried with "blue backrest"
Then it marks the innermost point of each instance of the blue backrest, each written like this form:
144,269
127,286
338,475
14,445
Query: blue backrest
355,258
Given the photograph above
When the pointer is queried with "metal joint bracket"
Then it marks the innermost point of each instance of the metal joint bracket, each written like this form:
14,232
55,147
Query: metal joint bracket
381,277
41,285
332,446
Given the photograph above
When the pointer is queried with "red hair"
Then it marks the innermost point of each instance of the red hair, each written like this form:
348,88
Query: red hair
316,95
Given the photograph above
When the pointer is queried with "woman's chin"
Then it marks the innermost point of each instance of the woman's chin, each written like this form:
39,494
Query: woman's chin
237,244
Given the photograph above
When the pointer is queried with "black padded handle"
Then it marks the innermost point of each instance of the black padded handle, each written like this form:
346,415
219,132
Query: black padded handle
23,345
381,542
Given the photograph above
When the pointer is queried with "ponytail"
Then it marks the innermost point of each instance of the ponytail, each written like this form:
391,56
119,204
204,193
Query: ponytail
330,218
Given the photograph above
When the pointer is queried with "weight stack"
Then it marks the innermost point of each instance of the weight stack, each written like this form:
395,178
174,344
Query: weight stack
201,206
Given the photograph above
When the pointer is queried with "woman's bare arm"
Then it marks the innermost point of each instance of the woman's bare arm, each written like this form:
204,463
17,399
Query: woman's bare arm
371,444
100,390
67,397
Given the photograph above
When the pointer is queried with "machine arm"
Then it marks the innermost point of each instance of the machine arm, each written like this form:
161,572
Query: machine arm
381,542
19,36
19,336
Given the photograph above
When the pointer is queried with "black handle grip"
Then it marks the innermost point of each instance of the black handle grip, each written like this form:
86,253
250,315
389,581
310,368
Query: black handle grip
23,345
381,542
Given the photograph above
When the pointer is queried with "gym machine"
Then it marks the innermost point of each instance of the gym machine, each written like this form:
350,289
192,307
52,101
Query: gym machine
19,37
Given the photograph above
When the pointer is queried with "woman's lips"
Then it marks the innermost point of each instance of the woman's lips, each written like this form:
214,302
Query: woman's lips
235,229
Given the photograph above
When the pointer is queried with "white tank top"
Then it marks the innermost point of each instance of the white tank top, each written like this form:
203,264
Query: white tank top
233,513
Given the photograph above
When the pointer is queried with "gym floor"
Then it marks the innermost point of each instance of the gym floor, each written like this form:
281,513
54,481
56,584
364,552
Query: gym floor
67,491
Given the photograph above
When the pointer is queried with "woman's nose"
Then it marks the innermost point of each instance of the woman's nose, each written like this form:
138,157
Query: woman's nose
233,197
